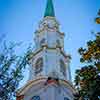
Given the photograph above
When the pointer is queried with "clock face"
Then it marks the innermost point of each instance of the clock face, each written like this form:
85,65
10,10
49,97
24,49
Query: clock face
35,98
50,24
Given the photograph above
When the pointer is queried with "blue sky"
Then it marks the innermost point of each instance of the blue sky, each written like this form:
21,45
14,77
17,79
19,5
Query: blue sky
19,19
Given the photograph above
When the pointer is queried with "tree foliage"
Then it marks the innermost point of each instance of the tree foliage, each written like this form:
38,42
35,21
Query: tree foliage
91,54
87,79
11,70
88,83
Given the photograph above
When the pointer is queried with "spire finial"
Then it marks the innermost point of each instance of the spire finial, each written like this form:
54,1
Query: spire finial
49,11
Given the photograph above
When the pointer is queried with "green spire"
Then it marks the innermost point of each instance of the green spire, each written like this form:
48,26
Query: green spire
49,11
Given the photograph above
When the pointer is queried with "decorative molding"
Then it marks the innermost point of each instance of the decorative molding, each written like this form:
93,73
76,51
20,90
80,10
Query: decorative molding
61,33
50,17
44,79
46,27
51,48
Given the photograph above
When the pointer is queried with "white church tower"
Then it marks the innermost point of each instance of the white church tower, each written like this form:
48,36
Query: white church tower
50,77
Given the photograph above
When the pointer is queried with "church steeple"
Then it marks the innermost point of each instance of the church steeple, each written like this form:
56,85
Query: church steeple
49,11
49,71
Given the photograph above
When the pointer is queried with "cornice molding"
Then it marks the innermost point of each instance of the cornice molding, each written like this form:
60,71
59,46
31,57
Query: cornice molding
51,48
44,79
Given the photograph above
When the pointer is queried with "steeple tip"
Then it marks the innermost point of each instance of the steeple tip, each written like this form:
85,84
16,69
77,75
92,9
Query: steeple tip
49,11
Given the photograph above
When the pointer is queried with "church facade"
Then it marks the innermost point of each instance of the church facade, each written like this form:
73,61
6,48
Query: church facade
50,77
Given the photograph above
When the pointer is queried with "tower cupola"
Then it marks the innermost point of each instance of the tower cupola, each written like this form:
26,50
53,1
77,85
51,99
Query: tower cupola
49,58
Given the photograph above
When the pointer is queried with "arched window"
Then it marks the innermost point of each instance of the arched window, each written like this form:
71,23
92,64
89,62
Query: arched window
35,98
42,41
63,67
58,42
38,65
